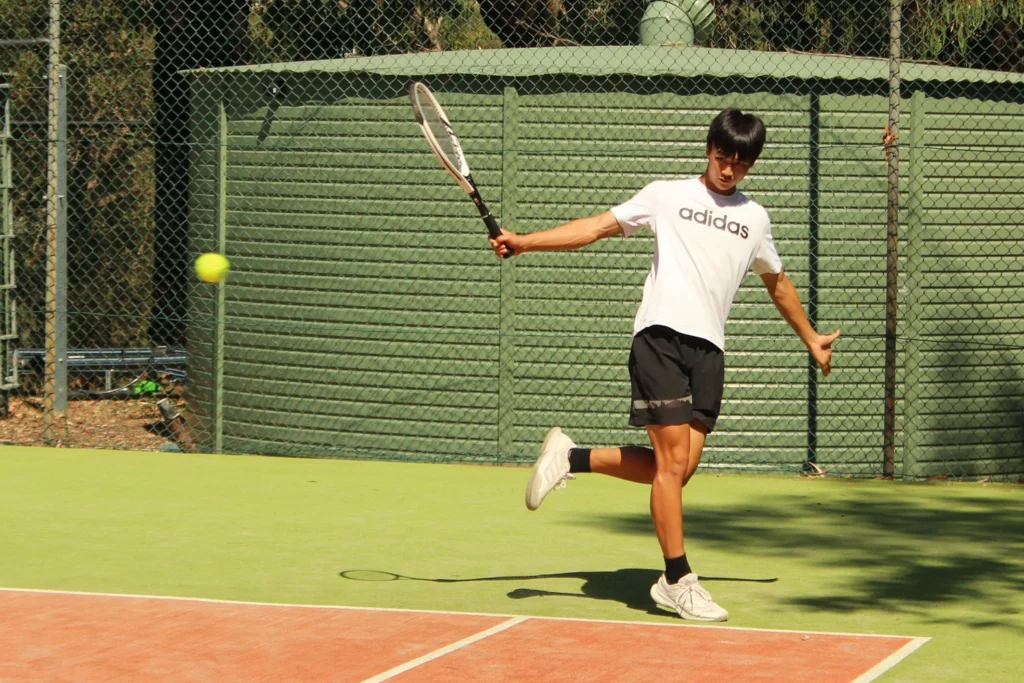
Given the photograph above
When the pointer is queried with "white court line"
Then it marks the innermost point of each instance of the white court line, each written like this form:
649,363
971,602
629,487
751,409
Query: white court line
216,601
413,663
890,661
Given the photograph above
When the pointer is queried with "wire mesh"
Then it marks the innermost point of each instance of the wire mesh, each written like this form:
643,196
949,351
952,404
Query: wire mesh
364,314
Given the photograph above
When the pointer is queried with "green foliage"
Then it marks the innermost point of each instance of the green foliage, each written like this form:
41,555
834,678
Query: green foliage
967,19
836,26
108,49
982,34
299,30
536,23
22,19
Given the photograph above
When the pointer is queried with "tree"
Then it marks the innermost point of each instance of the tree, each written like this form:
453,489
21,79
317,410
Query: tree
980,34
289,30
536,23
189,34
856,27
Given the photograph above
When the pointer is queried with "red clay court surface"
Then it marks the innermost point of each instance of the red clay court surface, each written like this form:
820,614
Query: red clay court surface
60,636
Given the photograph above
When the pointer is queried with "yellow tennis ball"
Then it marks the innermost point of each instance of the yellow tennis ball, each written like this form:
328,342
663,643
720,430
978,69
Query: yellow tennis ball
212,267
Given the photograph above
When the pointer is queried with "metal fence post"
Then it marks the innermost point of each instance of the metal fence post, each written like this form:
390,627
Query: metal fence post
8,329
892,265
56,385
814,125
506,326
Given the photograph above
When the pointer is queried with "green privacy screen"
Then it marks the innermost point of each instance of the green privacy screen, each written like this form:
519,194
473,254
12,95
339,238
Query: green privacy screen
365,315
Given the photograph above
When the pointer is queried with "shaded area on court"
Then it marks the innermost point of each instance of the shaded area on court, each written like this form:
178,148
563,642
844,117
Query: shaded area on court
922,552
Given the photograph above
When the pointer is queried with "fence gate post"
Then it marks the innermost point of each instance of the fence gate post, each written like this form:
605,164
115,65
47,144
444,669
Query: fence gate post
55,392
8,330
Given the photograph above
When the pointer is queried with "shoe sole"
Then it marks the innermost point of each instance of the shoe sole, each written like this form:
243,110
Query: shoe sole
661,601
554,431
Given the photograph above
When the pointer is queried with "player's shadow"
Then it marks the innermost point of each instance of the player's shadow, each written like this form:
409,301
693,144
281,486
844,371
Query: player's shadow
631,587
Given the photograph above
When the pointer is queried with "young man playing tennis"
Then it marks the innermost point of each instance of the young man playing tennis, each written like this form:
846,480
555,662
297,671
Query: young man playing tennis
707,236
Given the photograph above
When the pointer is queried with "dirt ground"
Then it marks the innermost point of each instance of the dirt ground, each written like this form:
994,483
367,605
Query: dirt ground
128,424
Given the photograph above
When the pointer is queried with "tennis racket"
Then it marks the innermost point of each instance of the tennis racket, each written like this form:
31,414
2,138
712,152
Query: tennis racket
447,148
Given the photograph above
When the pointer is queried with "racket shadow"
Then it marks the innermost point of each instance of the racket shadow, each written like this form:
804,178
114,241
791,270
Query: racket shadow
631,586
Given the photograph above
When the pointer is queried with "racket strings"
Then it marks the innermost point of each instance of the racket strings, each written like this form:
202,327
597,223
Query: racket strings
444,137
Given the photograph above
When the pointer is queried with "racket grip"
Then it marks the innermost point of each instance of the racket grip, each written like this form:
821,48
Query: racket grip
493,229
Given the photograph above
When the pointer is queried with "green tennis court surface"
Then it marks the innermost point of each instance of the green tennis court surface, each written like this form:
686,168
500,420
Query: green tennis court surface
939,561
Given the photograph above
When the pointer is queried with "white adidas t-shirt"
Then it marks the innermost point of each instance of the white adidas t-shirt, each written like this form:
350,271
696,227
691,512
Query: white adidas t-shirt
704,245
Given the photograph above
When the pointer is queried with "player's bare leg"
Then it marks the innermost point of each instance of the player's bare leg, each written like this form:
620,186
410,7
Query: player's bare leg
698,435
637,463
677,451
672,462
632,463
679,448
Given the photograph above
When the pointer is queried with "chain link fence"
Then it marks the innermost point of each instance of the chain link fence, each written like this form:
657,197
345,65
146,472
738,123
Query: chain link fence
365,316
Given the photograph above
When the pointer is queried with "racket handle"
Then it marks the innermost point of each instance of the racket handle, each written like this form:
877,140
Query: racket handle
493,229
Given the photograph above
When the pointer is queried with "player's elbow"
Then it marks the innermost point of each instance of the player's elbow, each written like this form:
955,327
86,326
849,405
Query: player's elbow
602,226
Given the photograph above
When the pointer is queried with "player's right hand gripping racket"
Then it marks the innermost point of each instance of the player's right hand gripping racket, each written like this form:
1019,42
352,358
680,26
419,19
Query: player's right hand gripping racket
446,147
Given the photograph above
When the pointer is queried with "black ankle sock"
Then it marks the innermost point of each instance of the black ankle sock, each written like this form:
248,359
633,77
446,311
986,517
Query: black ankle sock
676,568
579,460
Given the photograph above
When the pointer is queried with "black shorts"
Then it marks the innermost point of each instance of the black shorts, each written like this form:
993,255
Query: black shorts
676,378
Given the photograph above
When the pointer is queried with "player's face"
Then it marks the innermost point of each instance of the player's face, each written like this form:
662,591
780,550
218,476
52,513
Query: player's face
725,171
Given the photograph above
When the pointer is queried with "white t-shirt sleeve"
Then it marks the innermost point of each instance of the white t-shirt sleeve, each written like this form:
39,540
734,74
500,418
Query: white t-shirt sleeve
637,212
767,258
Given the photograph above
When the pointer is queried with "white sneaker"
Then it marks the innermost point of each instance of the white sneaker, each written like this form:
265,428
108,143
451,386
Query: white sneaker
688,598
551,469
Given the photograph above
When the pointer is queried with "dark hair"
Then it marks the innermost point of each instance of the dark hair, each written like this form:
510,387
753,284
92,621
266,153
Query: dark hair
734,132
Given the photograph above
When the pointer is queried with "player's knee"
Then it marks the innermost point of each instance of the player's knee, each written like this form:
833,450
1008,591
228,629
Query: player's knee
673,469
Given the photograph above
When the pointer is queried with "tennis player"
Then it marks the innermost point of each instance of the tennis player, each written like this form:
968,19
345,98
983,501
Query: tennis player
707,235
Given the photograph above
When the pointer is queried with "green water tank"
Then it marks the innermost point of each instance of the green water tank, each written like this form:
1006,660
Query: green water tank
676,22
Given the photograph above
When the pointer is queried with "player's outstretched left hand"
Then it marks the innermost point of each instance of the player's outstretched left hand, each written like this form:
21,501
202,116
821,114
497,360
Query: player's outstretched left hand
821,349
